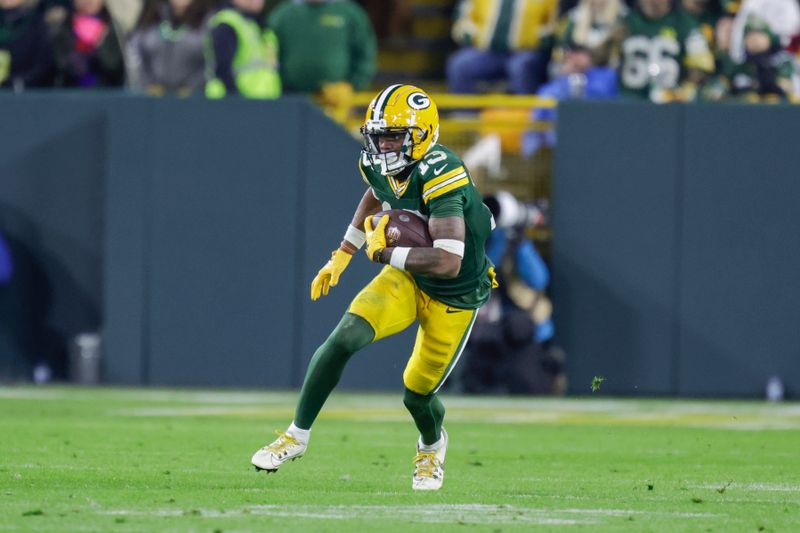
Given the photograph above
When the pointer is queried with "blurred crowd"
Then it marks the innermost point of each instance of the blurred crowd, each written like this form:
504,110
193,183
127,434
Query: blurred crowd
216,48
661,50
648,49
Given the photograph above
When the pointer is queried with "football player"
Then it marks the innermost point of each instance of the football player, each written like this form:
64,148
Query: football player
441,286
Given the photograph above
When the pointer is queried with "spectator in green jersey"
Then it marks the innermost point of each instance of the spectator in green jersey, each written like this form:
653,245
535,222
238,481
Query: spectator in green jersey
662,54
328,49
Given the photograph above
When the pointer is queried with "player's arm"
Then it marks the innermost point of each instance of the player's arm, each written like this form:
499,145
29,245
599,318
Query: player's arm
442,260
443,192
369,205
354,239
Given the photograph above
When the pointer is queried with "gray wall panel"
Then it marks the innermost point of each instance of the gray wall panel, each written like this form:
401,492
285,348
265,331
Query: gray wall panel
219,275
51,198
739,295
614,248
129,175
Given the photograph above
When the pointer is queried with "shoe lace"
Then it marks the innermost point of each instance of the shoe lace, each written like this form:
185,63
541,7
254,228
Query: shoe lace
425,463
283,441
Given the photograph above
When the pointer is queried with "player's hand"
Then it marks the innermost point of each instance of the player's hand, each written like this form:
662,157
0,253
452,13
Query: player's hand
376,237
328,275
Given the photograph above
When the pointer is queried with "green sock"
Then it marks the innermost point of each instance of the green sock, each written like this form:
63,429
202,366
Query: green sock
325,369
428,414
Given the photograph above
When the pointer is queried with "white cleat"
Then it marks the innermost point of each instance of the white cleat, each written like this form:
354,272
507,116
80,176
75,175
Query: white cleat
429,467
285,448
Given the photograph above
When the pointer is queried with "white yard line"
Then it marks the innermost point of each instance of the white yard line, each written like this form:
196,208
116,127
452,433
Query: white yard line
433,513
758,487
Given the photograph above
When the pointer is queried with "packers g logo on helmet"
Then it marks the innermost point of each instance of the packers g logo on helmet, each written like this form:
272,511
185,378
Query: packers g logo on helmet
419,100
400,110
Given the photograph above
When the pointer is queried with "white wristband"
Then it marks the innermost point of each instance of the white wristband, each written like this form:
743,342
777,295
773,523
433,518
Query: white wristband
399,256
355,236
454,246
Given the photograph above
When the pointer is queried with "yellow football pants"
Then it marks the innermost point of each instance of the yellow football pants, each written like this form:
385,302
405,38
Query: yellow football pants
391,302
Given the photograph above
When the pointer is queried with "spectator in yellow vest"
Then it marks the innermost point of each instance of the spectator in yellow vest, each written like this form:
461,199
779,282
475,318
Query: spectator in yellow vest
241,56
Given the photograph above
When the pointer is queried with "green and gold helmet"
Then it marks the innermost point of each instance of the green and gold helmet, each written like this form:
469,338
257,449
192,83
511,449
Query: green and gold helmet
400,110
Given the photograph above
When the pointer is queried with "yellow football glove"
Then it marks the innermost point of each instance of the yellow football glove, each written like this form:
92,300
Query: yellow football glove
376,237
328,275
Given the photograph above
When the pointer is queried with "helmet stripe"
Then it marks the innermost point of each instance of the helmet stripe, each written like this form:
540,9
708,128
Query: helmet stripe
380,102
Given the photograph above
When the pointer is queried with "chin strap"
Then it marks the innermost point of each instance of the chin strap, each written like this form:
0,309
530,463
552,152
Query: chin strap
402,158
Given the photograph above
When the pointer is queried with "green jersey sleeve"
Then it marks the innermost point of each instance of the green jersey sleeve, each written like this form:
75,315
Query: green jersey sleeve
442,173
451,205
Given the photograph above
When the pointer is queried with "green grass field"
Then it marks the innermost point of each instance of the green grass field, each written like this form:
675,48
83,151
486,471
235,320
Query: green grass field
161,460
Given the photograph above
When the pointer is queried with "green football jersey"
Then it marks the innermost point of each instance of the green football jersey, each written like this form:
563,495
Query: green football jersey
657,52
434,182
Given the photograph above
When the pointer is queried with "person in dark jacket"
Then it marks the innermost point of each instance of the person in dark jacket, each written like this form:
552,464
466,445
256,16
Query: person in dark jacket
87,47
26,52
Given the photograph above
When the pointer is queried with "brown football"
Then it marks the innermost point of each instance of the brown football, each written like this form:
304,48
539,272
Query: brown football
404,228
